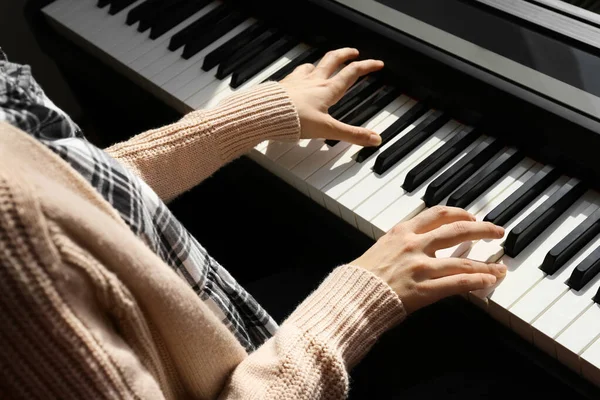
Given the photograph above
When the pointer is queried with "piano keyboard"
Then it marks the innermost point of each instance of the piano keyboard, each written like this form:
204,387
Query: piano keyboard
193,53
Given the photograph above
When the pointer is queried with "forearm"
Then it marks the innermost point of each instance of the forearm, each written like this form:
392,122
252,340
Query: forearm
314,349
177,157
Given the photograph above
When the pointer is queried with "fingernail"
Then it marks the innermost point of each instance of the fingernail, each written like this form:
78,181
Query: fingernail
501,268
500,231
374,140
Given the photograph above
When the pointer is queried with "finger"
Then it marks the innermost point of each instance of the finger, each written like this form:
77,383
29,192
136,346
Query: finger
461,231
454,266
437,216
333,60
459,284
353,134
350,74
303,70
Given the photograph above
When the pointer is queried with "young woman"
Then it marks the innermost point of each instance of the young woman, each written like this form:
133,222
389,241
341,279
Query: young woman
106,295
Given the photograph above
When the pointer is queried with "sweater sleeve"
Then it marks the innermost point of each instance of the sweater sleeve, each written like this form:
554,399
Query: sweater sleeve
174,158
311,354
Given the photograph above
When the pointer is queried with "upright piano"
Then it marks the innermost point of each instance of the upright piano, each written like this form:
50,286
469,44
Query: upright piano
489,105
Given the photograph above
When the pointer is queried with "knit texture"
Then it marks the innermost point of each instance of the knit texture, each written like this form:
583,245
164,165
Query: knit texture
204,140
91,312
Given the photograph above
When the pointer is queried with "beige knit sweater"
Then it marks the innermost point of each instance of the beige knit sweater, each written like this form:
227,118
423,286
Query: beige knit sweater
89,312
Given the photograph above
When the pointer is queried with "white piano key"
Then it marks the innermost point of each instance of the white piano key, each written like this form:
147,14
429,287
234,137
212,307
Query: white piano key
578,336
175,82
541,296
491,198
358,171
114,30
410,204
159,54
275,149
54,9
315,160
189,73
567,307
304,149
127,44
85,14
336,166
211,96
311,164
202,80
71,9
590,363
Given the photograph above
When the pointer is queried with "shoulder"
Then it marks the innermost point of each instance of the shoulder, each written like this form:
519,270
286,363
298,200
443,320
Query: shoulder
24,104
59,302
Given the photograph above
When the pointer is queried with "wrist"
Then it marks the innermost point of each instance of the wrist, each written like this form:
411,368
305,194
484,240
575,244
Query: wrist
349,311
248,117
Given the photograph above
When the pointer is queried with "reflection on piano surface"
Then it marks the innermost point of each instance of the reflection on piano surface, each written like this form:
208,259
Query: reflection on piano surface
193,53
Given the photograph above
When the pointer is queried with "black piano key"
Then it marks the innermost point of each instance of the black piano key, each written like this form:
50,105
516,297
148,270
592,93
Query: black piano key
442,156
154,14
116,6
571,244
410,141
360,83
514,203
263,60
454,176
198,28
307,57
248,52
143,10
200,42
374,104
401,124
102,3
528,229
368,109
585,271
224,51
174,15
484,179
597,297
356,95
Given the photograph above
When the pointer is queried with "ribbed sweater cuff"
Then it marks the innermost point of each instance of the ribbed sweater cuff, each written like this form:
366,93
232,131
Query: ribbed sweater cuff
349,311
249,117
177,157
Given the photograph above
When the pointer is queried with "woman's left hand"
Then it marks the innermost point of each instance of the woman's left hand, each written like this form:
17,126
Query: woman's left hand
313,89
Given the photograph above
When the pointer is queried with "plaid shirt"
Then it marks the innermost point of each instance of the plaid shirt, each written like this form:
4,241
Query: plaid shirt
24,105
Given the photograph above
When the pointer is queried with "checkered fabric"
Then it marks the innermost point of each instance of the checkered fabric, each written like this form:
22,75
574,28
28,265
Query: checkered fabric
24,105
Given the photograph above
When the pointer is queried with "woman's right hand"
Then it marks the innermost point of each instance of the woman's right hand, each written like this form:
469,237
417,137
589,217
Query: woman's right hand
405,257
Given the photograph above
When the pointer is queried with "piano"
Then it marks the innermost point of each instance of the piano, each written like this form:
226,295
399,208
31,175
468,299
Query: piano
489,105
